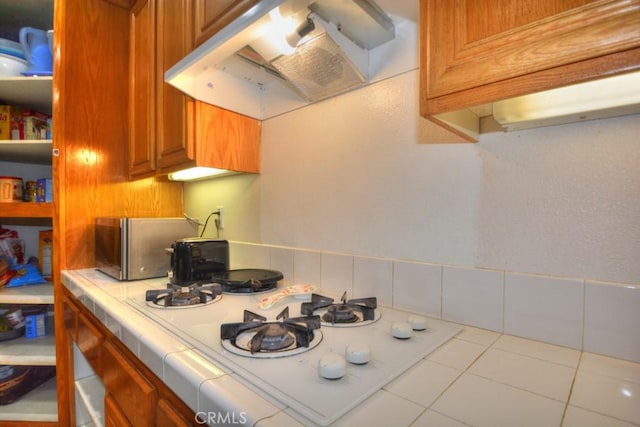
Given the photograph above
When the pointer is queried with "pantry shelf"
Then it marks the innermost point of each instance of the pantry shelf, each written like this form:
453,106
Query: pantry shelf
36,151
31,92
26,210
32,294
28,351
37,405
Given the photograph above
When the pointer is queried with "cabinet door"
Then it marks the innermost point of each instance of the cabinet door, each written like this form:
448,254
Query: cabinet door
132,392
213,15
174,110
90,341
142,63
113,415
70,311
168,416
227,140
479,51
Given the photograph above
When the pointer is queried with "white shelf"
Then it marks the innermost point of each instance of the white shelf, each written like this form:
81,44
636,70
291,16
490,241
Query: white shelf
32,92
37,405
37,151
38,351
31,294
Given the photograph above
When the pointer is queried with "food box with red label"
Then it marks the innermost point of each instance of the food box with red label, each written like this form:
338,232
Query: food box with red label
10,122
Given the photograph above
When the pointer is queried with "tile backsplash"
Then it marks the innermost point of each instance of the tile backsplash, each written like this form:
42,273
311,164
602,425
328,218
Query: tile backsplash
593,316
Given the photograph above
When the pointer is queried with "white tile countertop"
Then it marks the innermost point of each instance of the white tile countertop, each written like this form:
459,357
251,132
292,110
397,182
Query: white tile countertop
478,378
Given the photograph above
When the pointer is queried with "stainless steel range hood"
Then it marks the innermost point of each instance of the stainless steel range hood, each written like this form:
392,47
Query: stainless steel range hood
284,54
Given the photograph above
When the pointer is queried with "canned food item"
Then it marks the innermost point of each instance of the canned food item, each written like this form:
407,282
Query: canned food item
10,189
30,191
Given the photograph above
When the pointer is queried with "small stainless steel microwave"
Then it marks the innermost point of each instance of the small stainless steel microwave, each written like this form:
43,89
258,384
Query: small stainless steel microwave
135,248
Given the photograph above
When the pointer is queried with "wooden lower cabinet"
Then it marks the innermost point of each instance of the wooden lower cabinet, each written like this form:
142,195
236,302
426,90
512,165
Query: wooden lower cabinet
131,391
90,341
113,414
134,396
168,415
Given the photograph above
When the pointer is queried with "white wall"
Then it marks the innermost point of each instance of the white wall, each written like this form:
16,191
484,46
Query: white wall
353,175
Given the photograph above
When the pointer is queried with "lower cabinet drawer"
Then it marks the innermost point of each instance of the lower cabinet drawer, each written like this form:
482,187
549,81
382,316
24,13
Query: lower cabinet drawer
132,392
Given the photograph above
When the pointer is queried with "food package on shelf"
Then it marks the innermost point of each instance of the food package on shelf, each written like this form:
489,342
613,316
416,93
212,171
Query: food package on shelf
34,125
45,251
44,190
11,247
26,274
19,123
6,273
12,322
10,121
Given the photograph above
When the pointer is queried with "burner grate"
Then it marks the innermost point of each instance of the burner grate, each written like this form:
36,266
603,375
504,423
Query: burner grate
174,296
255,335
346,312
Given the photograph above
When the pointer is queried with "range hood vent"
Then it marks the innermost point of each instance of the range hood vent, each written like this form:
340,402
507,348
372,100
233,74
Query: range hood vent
319,69
248,67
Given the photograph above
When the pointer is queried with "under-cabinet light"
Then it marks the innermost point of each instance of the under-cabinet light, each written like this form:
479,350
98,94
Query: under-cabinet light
608,97
192,174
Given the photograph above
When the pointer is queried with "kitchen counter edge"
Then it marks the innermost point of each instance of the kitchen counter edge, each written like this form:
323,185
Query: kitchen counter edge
211,391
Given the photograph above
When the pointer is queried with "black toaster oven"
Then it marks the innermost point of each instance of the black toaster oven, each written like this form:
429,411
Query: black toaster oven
195,259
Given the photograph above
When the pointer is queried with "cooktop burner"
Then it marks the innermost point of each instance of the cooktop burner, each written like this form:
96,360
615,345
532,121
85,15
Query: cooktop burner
282,367
175,296
346,313
255,337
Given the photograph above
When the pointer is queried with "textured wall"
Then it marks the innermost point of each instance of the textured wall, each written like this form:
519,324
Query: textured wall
563,200
354,175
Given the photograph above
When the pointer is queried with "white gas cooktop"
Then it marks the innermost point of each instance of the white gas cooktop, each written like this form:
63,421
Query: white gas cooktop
295,380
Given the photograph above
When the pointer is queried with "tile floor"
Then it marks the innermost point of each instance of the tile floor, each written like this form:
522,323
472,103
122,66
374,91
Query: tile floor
483,378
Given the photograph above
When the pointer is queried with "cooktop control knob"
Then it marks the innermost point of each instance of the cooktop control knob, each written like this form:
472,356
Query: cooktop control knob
401,330
332,366
358,353
418,323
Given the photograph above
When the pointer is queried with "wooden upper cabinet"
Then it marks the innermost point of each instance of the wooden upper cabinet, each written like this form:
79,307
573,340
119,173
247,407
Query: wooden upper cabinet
478,51
213,15
160,122
142,93
174,140
168,130
226,140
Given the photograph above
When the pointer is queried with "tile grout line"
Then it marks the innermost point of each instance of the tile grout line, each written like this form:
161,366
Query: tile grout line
441,291
504,299
573,383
